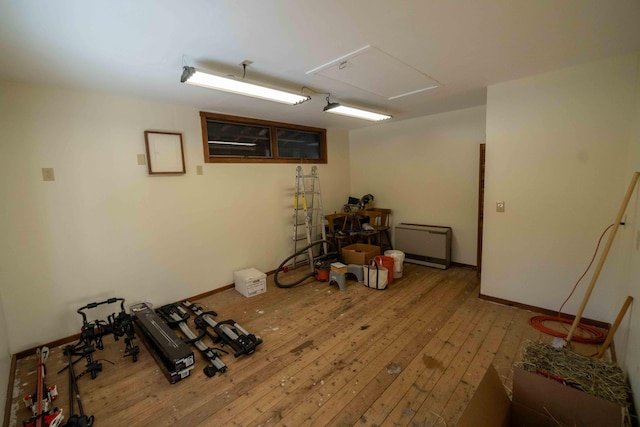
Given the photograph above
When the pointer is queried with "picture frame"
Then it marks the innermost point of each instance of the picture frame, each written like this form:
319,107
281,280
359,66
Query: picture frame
165,152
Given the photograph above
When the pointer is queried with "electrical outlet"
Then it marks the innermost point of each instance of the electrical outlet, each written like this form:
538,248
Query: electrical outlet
142,159
48,175
499,206
198,169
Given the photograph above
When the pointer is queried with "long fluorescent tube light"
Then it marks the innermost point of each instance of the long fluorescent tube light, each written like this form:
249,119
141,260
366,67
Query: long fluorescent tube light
199,78
245,144
336,108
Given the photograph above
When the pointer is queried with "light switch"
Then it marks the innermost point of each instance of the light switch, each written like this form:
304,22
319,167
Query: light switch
48,175
499,206
198,169
142,159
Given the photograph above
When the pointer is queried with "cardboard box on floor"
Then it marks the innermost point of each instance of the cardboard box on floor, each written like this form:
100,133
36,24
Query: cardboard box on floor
359,253
537,402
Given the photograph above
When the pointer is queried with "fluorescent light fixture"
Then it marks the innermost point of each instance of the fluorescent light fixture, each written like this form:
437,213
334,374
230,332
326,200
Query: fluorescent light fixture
245,144
336,108
199,78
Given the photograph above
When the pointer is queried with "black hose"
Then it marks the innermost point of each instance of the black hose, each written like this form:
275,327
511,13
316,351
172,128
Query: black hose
312,274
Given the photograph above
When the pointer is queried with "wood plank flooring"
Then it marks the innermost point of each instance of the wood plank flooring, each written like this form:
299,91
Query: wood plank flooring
410,355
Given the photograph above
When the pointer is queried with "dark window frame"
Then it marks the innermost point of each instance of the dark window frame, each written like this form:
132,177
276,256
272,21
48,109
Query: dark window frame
274,126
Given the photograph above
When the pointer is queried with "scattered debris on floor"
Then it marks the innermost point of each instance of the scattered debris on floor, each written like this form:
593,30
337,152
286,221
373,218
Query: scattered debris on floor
393,369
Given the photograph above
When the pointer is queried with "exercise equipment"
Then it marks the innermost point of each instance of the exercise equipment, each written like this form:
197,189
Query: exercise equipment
175,315
40,401
81,419
174,357
228,331
91,334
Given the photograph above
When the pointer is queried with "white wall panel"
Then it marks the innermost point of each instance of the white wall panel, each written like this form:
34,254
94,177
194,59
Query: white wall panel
106,228
426,171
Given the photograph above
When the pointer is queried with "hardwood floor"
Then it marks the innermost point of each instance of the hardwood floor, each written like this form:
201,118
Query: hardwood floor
410,355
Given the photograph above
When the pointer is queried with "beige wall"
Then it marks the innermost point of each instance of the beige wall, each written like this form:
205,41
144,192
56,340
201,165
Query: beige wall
558,153
426,170
629,333
557,147
106,228
5,360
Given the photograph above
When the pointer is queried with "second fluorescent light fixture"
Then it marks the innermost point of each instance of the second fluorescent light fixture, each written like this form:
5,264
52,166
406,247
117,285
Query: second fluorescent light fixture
336,108
199,78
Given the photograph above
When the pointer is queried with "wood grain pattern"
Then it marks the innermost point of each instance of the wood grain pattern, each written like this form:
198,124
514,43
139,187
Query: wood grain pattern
410,355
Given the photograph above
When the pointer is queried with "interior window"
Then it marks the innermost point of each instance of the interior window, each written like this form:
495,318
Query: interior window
245,140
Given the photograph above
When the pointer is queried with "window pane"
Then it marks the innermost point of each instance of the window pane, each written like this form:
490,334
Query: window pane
295,144
238,140
231,139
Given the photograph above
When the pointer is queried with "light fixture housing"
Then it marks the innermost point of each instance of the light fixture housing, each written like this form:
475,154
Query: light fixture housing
204,79
337,108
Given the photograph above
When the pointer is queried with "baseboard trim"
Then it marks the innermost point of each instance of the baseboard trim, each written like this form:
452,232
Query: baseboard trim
209,293
28,352
76,337
585,320
56,343
467,266
218,290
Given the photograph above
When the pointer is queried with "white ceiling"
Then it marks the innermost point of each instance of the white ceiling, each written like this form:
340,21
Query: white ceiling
138,47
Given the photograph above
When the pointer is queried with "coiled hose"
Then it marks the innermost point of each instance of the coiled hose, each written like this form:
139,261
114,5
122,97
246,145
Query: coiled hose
596,335
285,269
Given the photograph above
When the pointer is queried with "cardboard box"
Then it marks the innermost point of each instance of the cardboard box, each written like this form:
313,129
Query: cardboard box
359,253
537,402
250,282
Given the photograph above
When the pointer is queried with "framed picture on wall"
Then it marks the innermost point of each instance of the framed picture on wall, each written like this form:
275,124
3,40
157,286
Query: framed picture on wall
165,154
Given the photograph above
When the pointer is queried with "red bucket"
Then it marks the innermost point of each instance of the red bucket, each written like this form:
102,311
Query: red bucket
386,262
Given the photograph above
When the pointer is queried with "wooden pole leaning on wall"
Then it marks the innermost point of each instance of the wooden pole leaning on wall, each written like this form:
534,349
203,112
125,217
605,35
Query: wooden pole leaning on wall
603,257
613,329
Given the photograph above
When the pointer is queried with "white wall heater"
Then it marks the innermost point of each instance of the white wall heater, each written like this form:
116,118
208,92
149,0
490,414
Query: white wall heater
428,245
